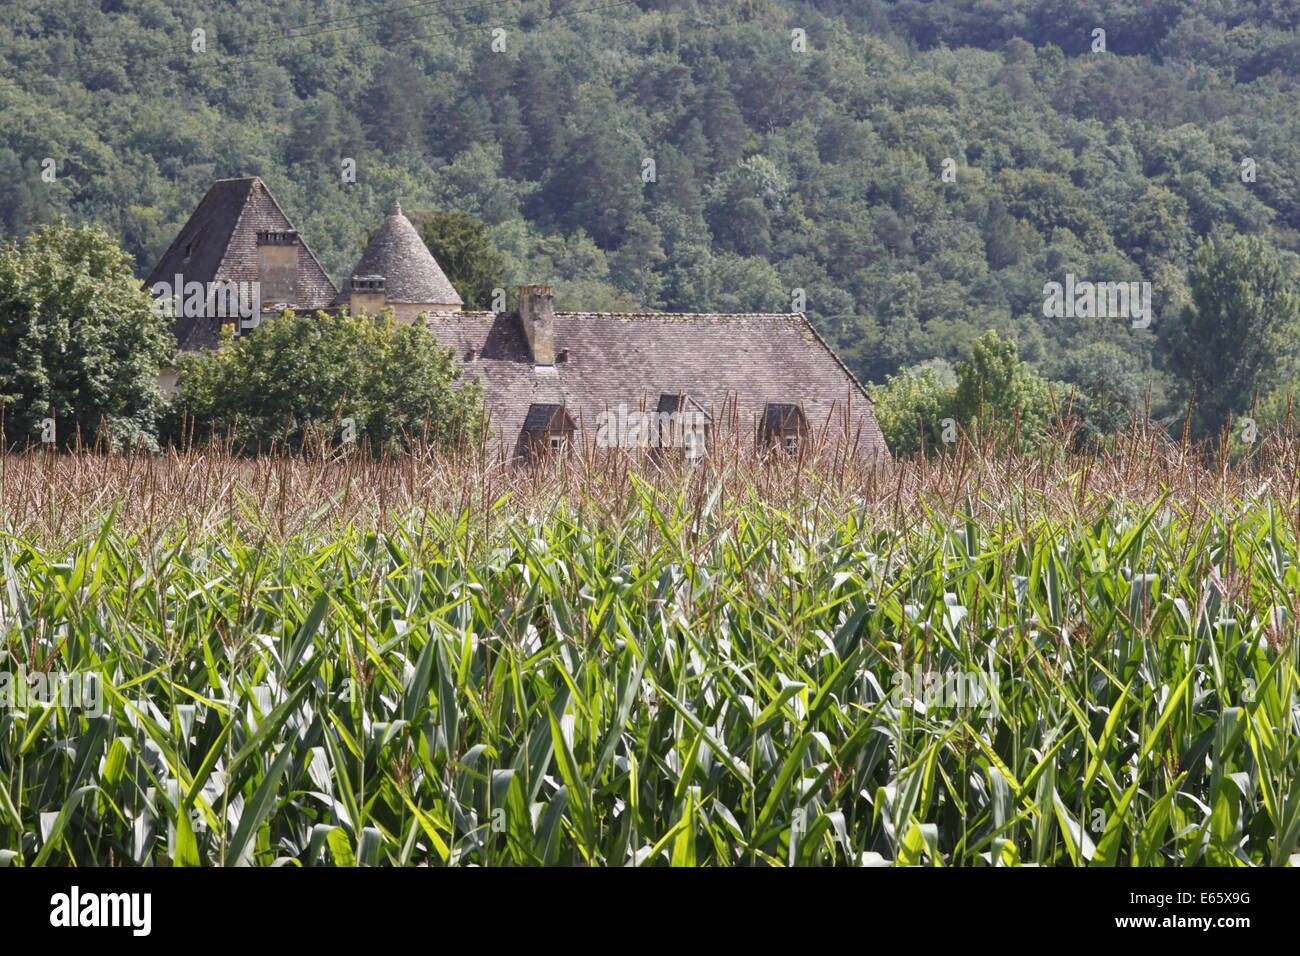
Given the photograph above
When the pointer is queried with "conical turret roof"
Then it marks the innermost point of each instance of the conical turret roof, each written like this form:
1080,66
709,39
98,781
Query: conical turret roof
411,274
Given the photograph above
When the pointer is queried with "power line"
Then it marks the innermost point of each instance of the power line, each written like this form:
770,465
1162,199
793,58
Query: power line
246,85
366,16
46,7
554,16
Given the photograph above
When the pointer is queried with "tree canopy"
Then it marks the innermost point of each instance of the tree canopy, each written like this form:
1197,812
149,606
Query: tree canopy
355,380
463,247
912,173
1235,335
80,347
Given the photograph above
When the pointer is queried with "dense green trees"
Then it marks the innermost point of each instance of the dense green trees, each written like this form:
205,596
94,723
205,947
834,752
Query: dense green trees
354,379
993,394
915,409
463,247
1238,332
80,346
995,389
920,170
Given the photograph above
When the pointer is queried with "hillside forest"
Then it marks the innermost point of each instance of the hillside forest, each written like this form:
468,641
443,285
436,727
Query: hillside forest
912,175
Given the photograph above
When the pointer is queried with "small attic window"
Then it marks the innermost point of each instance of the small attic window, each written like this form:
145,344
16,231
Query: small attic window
561,356
784,426
189,250
366,285
682,424
277,237
547,428
471,354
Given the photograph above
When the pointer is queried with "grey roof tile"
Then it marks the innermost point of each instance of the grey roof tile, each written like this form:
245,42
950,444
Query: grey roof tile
411,274
732,366
219,243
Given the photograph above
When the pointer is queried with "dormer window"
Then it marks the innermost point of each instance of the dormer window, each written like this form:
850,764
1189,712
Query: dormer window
547,430
783,425
682,425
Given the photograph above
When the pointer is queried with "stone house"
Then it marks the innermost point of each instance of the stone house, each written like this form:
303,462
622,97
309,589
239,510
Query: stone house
551,379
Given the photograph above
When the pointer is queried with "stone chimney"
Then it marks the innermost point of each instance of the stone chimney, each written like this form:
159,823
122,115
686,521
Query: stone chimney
366,293
277,266
537,314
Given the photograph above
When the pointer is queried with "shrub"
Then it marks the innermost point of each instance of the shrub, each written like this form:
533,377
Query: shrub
373,379
79,342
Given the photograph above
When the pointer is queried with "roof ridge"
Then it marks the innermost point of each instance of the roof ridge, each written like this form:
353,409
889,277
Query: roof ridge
791,316
797,317
686,315
175,244
234,228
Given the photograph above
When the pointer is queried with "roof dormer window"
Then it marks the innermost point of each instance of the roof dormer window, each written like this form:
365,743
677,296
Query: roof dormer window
547,429
784,426
681,423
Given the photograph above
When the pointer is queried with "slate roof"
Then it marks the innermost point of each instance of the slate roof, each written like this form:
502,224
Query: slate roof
411,274
733,366
736,368
219,243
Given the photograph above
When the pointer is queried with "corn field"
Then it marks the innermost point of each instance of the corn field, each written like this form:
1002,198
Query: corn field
972,661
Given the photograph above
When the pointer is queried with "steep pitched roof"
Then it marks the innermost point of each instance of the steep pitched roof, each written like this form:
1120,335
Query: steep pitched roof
411,274
219,243
732,366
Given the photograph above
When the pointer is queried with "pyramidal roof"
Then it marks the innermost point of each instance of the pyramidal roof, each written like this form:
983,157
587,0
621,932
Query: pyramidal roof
411,274
219,243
